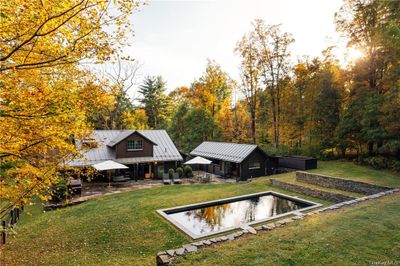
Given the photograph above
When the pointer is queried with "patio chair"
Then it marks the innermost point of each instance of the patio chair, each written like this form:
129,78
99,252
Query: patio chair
166,179
176,179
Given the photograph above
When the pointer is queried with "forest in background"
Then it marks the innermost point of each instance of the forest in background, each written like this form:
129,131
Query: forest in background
49,97
312,107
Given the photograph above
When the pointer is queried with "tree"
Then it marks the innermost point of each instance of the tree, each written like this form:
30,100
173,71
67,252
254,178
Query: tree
199,125
225,122
42,108
121,77
212,90
373,27
40,118
273,62
137,120
155,103
250,76
389,119
241,119
51,33
179,127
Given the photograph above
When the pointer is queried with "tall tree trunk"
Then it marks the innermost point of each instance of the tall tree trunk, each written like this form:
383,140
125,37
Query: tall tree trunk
274,119
253,126
278,118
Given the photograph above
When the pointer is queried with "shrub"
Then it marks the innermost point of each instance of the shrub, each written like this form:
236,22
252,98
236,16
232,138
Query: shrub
179,170
59,191
187,170
377,162
160,174
396,166
171,172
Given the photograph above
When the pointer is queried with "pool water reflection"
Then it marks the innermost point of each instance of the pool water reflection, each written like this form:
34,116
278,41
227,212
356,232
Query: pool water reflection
218,217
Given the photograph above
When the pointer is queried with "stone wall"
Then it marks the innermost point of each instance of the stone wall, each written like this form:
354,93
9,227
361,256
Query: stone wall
339,183
315,193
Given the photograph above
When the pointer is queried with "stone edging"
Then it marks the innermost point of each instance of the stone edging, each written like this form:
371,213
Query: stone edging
340,183
166,257
315,193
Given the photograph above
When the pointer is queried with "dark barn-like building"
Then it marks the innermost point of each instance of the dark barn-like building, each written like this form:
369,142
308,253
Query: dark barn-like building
240,161
145,152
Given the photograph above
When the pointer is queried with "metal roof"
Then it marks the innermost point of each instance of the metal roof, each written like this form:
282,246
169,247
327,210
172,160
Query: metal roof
123,135
165,149
231,152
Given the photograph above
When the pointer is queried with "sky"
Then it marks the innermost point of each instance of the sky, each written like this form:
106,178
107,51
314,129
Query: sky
174,39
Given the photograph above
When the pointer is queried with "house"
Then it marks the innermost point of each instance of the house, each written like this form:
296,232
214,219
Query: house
145,152
241,161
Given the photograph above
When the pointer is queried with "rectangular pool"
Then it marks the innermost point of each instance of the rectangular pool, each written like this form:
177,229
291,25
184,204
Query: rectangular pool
213,217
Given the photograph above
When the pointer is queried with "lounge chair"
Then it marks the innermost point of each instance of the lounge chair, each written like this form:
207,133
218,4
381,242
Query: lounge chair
166,179
176,179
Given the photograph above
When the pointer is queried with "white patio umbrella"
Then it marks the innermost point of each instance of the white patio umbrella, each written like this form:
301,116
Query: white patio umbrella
108,166
199,160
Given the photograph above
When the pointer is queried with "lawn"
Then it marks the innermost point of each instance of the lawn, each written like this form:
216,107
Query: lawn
365,234
124,229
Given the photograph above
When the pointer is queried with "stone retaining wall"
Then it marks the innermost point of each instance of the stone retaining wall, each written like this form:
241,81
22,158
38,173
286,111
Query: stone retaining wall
315,193
165,258
339,183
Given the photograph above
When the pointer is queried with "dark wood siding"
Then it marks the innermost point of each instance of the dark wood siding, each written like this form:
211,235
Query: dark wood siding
121,149
255,156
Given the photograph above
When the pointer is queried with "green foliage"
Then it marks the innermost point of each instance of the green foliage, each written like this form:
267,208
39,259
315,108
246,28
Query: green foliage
60,191
179,170
380,162
155,102
179,125
160,174
191,127
376,162
171,171
187,170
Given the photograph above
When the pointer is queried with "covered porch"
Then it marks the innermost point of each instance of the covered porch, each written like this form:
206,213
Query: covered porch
138,169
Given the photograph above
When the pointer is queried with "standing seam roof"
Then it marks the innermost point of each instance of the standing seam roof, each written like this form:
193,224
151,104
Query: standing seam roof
231,152
165,149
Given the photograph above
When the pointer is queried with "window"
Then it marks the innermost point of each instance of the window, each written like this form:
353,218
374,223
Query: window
135,145
254,165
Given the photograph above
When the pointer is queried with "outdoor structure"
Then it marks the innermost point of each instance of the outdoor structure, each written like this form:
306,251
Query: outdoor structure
297,162
144,152
240,161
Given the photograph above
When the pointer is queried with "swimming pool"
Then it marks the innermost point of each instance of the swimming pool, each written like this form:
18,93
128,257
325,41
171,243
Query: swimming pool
214,217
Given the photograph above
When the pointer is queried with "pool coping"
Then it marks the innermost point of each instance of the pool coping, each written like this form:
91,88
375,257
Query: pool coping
164,214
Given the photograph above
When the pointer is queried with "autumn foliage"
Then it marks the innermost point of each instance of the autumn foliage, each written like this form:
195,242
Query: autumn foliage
46,95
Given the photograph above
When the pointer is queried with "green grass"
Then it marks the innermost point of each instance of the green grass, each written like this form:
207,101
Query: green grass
124,229
346,169
365,234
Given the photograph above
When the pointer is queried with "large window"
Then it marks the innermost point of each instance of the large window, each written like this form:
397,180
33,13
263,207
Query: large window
254,165
135,145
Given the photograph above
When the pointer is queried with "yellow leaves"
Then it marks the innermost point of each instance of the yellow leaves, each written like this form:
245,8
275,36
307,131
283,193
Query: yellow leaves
40,111
45,97
138,120
34,34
